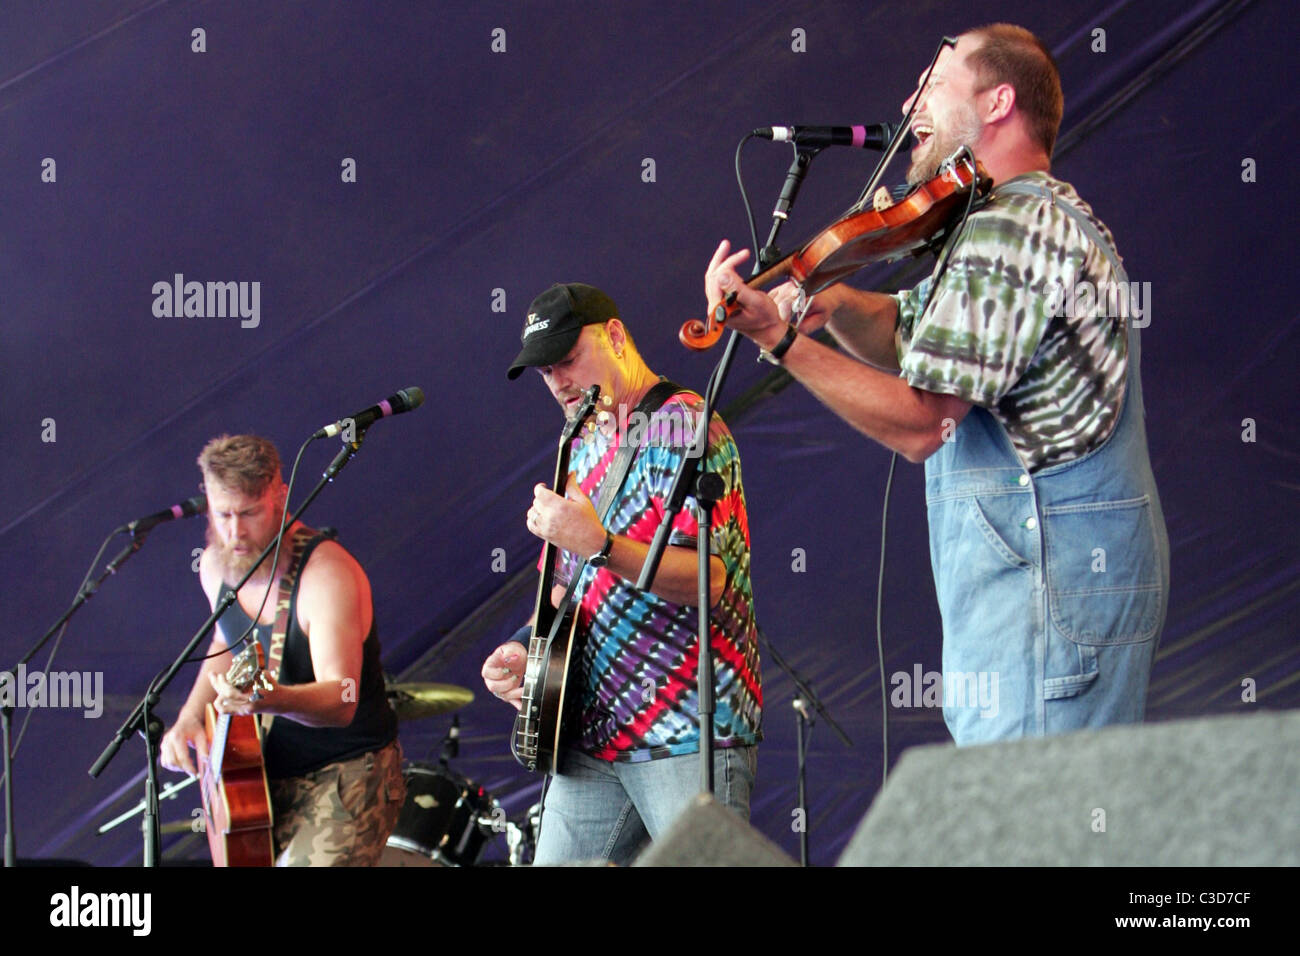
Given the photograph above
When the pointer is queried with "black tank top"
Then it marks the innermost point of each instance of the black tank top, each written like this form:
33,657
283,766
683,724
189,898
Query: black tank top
291,749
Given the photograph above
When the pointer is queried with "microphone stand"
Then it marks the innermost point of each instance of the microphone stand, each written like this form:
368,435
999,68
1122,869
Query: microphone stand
84,594
693,477
804,696
143,722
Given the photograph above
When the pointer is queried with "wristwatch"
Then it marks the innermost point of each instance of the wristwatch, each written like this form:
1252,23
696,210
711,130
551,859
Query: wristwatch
601,557
778,351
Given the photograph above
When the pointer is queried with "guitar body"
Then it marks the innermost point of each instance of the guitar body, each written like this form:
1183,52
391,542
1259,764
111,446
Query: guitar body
232,779
554,698
237,802
553,654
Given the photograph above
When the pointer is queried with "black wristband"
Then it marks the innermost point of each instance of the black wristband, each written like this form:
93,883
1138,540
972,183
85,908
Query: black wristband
601,557
778,351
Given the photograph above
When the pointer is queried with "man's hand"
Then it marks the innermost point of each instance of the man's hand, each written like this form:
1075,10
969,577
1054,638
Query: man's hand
758,315
569,522
237,702
503,673
187,732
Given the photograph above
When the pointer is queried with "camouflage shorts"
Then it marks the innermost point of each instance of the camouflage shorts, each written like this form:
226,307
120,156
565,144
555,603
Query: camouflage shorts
341,814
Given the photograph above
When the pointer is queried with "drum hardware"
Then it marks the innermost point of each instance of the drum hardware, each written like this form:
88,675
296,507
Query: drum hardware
447,819
415,701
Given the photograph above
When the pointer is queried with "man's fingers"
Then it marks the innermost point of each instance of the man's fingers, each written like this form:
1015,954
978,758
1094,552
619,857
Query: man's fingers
573,490
177,759
735,259
719,254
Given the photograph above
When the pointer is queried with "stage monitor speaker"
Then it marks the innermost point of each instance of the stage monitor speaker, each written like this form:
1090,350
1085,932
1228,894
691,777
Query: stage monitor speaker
706,833
1219,791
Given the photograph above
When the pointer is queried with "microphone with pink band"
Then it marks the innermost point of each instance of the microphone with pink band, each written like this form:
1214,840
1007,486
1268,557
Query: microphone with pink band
404,401
186,509
876,136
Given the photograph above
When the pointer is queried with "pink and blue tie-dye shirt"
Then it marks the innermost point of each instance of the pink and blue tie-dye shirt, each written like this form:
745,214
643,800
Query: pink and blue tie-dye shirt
640,657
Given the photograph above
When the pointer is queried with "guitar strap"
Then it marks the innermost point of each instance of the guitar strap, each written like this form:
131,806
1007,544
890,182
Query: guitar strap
617,475
283,605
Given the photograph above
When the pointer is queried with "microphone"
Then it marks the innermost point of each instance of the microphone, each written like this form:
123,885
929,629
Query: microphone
186,509
404,401
876,136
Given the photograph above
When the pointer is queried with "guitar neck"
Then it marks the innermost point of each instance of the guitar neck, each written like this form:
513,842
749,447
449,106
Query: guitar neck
543,610
217,749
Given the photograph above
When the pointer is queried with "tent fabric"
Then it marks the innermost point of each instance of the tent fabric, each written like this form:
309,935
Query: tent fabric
594,144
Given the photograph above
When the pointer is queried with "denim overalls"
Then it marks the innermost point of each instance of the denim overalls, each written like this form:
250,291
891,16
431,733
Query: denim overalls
1053,586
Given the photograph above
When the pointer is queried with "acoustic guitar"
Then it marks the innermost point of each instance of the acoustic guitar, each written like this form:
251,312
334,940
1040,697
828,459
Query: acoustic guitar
232,779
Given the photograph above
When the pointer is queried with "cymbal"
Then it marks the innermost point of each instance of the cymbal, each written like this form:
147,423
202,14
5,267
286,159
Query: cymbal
178,826
416,700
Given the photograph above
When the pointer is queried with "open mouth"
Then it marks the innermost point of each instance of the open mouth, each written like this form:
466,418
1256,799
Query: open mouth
921,133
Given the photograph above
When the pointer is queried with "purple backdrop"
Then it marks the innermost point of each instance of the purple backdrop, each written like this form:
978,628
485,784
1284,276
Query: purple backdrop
479,171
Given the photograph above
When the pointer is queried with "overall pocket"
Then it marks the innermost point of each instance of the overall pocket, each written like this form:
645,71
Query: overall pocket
1103,571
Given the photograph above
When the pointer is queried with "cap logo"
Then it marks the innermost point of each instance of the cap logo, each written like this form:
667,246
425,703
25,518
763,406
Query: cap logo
534,325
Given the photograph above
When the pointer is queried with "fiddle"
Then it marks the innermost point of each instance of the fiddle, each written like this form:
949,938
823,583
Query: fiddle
859,239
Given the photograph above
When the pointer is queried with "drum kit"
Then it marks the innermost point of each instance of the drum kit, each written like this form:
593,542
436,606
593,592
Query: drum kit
448,819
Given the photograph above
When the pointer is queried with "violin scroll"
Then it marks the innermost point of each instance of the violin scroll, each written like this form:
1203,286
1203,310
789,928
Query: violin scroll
701,334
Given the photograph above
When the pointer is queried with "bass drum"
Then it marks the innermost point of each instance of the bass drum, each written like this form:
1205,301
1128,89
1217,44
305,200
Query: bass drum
446,820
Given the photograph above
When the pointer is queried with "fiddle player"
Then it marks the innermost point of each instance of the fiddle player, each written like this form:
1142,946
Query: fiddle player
1048,544
332,759
634,763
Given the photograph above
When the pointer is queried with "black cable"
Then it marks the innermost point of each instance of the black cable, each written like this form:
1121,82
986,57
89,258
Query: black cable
889,484
744,197
90,571
275,559
880,632
279,540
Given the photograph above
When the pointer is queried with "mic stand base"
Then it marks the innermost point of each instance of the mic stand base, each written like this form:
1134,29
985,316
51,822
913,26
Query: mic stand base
153,733
708,489
6,725
801,783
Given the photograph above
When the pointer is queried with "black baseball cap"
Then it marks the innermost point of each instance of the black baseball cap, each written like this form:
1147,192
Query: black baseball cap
555,320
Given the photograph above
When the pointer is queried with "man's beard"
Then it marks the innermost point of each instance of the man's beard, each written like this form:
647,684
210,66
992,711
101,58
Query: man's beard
965,131
234,566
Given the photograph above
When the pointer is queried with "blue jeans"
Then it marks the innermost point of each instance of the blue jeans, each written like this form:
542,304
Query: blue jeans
600,809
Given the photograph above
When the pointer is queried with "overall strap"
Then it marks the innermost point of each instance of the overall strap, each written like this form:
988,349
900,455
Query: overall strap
1075,213
1092,232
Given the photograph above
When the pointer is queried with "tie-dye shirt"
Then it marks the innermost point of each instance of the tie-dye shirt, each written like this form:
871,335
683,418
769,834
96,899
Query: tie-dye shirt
1026,323
640,657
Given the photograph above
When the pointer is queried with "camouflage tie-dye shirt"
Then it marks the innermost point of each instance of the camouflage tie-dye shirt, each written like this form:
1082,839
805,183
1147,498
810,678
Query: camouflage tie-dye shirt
1003,333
